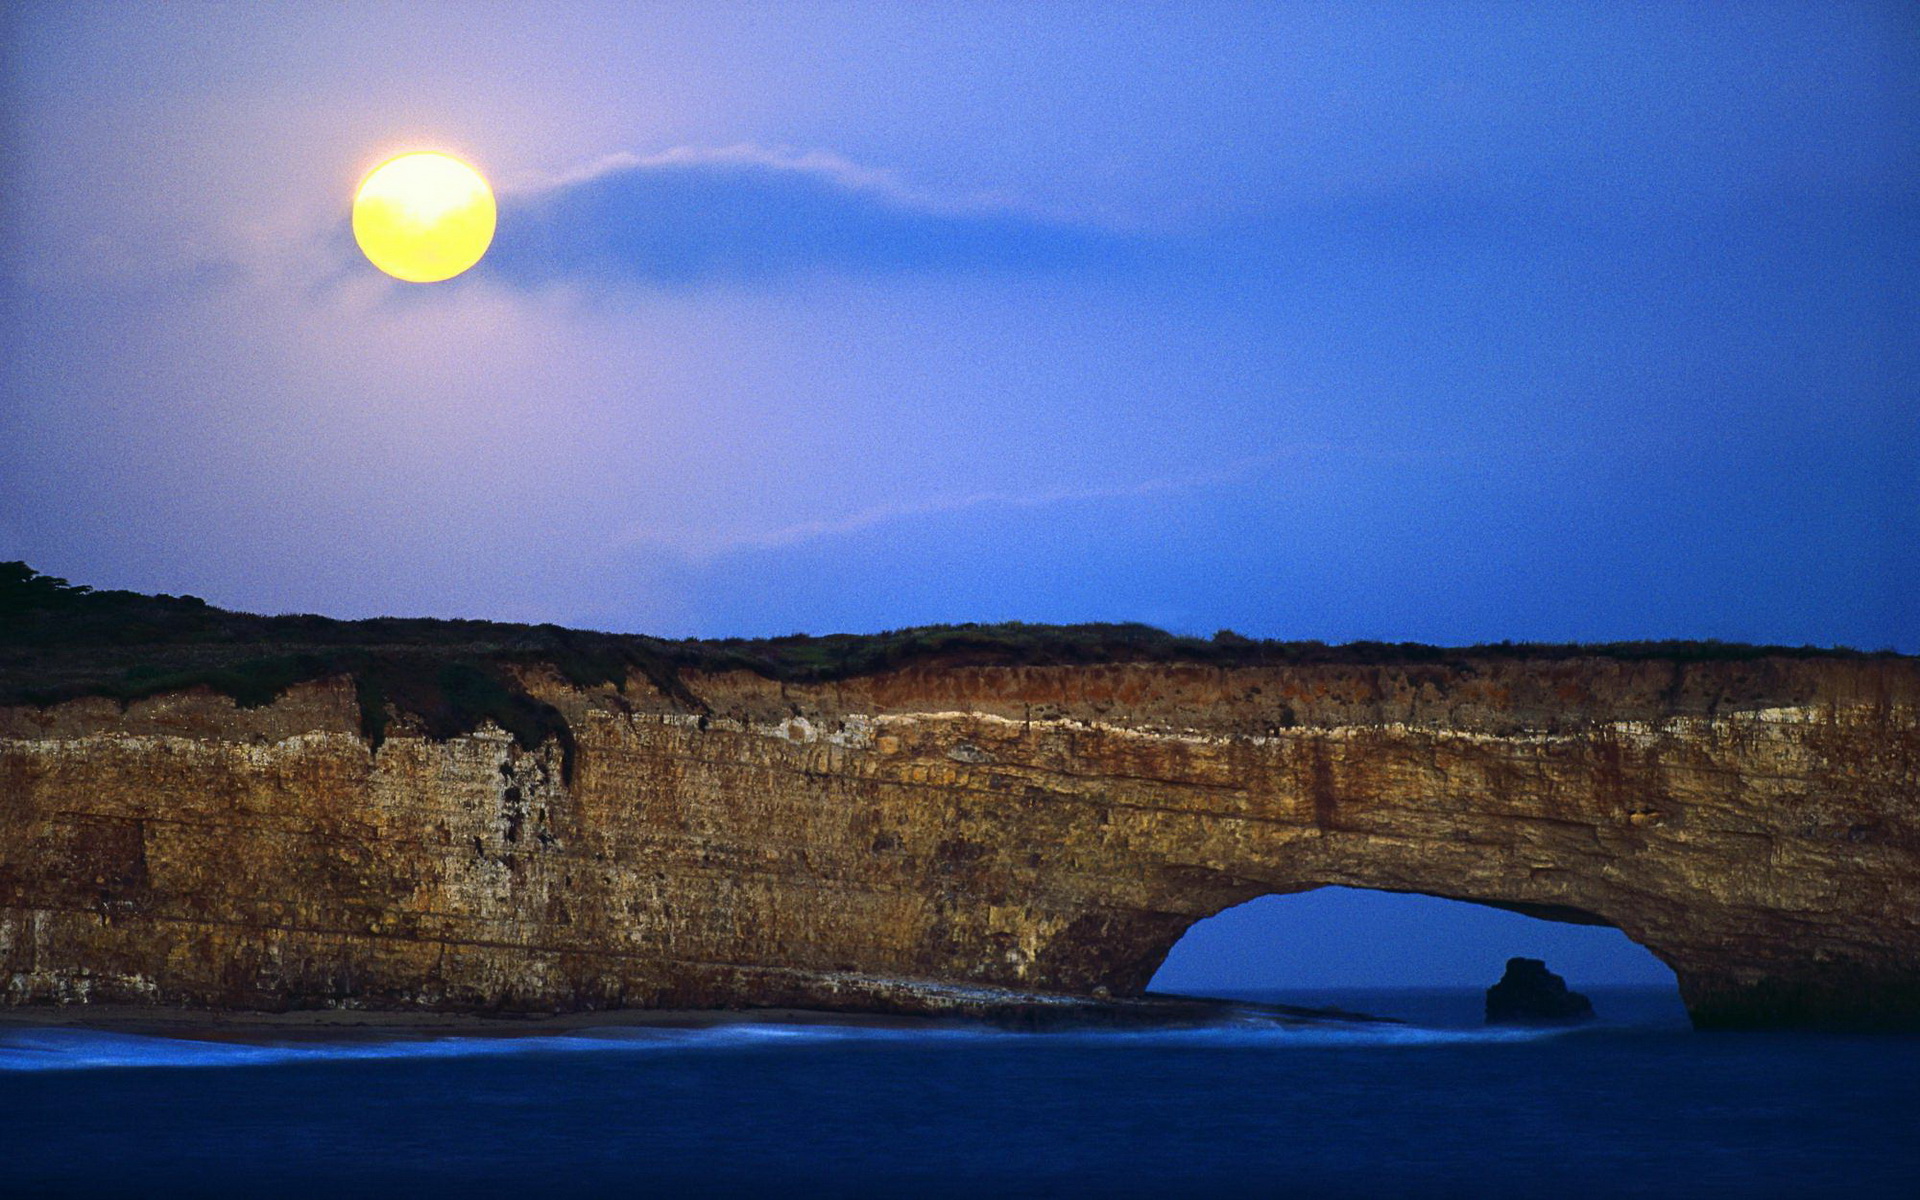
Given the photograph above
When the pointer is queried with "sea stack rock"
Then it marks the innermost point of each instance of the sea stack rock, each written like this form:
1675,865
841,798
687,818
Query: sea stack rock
1529,994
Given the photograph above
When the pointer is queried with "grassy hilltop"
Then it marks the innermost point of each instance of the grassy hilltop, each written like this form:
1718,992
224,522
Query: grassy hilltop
60,641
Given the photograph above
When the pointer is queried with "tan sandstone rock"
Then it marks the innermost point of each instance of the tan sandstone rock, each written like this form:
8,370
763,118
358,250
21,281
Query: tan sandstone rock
932,838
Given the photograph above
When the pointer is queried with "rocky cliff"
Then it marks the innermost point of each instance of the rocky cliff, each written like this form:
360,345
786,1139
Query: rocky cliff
937,835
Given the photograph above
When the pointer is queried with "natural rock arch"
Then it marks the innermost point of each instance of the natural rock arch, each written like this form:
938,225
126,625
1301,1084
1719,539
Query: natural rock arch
1766,857
902,840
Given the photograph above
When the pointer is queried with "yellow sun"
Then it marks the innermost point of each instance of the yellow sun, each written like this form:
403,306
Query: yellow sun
423,217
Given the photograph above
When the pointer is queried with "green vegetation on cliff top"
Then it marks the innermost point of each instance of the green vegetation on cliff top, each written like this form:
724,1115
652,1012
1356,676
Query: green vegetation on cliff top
60,641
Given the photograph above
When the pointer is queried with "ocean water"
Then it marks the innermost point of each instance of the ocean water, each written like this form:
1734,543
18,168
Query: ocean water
1636,1105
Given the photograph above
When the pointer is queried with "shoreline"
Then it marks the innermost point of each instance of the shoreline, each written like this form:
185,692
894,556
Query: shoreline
355,1024
1153,1011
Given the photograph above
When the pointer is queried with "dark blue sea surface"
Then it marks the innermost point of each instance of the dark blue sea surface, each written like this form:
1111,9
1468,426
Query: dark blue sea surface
1635,1106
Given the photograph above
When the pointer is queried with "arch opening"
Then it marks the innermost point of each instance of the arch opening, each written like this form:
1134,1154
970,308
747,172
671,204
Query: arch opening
1338,942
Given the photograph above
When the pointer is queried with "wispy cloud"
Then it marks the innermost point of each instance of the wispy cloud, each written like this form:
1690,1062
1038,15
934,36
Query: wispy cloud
744,213
709,544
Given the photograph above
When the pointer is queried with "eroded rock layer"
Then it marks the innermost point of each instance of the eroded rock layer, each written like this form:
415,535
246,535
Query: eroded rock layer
930,838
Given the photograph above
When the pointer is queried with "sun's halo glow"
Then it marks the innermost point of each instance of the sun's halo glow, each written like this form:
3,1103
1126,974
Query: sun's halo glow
423,217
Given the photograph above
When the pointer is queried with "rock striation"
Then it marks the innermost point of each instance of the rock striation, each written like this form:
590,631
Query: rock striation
946,837
1529,994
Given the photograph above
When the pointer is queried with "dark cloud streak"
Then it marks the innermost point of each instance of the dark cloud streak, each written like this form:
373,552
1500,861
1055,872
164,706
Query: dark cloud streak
729,217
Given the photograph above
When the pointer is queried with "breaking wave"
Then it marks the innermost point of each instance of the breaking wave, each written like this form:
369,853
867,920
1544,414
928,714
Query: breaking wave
67,1049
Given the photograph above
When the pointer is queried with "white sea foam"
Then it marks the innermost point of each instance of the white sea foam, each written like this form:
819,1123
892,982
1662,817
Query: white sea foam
59,1049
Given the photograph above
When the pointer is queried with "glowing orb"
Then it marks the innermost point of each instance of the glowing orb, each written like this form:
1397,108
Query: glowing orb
423,217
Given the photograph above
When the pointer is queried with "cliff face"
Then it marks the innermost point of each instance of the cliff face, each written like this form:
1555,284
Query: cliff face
907,840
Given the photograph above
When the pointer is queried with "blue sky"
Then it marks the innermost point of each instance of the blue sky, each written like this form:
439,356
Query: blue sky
1341,937
1437,322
